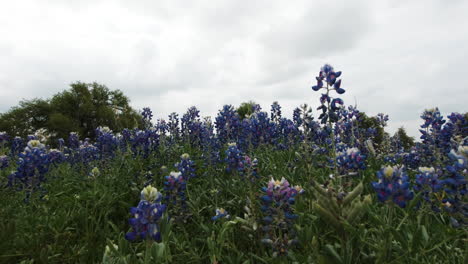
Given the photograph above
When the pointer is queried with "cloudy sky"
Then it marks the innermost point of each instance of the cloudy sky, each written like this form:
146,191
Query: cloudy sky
397,56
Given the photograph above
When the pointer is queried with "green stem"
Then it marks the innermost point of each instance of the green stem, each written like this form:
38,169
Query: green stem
388,243
148,251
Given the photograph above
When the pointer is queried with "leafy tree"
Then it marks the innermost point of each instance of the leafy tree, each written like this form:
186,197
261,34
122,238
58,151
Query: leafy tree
26,118
246,108
82,108
366,122
406,141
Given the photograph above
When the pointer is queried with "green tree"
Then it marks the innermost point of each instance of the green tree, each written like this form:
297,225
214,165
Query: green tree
366,122
406,141
245,109
82,108
26,118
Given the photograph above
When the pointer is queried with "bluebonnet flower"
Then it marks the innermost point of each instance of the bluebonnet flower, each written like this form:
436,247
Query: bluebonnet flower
428,183
190,123
275,112
144,141
147,115
73,140
427,177
393,184
329,111
85,153
173,126
351,160
234,159
227,124
61,143
209,143
455,178
4,162
17,145
434,143
382,119
56,156
279,215
250,167
174,188
412,158
186,166
455,186
255,130
106,142
328,74
33,164
146,216
161,127
297,118
220,213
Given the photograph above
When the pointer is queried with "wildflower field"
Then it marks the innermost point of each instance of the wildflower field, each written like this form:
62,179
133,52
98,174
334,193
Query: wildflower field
260,188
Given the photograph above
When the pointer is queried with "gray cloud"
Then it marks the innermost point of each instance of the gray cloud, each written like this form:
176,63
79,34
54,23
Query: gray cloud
397,57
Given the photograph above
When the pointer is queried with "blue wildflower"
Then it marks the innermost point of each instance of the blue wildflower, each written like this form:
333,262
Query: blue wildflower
279,215
4,162
393,184
220,213
186,166
146,216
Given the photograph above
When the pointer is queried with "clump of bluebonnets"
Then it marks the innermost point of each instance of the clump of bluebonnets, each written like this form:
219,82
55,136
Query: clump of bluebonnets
279,216
32,165
146,216
174,189
393,184
427,181
73,140
234,159
350,161
56,157
250,168
186,166
17,145
275,112
455,186
106,142
227,124
147,115
4,162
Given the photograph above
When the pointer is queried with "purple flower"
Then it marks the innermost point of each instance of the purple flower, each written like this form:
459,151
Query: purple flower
186,167
220,213
393,184
146,216
4,162
279,215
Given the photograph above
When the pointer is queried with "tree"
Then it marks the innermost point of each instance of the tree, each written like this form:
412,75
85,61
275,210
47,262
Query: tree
246,108
26,118
406,141
82,108
366,122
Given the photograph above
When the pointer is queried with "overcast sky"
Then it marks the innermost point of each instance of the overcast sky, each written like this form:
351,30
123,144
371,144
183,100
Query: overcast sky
397,56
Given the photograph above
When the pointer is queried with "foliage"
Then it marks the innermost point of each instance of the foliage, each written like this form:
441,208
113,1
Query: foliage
82,108
348,203
406,141
246,109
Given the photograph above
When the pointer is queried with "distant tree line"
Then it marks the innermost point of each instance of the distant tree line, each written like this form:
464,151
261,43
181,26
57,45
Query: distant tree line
82,108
